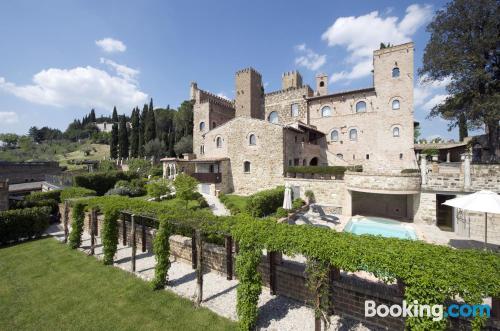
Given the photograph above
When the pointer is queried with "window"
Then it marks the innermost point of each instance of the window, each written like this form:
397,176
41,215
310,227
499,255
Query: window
202,126
334,136
273,117
400,156
361,107
246,166
219,142
395,72
252,140
296,162
395,132
295,138
353,157
340,156
326,111
353,134
321,84
290,163
202,149
395,104
367,156
295,110
214,125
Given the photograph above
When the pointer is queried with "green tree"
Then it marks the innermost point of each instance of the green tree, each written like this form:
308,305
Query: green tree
185,187
154,148
142,134
135,132
92,116
123,138
158,188
150,131
10,139
184,145
416,133
114,117
463,47
113,146
183,120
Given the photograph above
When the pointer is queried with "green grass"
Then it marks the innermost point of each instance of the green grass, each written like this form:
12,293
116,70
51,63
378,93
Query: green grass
46,286
235,202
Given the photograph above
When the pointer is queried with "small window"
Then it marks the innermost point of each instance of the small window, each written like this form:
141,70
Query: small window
400,156
334,136
202,126
340,156
295,110
321,84
290,163
214,125
219,142
202,149
395,132
353,157
326,111
353,134
395,104
273,117
246,166
361,107
395,72
295,138
367,156
252,140
296,162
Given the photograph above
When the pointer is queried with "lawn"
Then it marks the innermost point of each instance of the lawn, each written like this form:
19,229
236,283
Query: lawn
235,203
46,286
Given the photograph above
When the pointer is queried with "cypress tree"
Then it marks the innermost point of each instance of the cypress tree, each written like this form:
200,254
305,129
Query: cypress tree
92,116
123,137
134,136
150,133
115,115
113,146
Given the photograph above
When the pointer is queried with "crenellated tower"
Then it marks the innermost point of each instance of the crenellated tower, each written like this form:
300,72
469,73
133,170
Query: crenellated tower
249,98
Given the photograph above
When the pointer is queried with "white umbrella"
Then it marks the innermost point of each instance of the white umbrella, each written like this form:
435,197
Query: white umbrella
287,200
482,201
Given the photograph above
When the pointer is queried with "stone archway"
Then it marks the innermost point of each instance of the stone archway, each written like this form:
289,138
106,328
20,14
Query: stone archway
314,161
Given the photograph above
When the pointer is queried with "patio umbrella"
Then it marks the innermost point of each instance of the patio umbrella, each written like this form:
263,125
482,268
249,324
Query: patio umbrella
482,201
287,200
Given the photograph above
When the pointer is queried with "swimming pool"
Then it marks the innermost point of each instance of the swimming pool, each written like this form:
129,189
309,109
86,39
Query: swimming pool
379,226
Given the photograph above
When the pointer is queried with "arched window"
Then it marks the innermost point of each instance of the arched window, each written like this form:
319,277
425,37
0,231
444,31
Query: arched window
395,72
295,109
395,132
202,126
246,166
361,107
321,84
273,117
252,140
395,104
340,156
314,161
326,111
334,136
219,142
353,134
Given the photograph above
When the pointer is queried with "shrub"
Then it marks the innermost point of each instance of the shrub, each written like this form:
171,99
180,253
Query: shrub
31,203
281,212
106,165
265,202
410,171
202,202
310,195
110,234
75,237
140,166
250,286
101,182
76,192
23,223
430,151
162,254
298,203
49,195
185,187
158,188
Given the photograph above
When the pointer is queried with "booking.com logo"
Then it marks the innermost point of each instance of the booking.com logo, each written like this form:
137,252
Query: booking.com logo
436,312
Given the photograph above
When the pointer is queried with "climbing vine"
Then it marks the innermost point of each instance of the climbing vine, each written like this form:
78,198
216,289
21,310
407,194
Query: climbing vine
318,282
75,236
161,248
110,235
249,288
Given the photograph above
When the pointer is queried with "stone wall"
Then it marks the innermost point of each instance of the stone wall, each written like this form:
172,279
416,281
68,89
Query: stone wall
281,102
425,208
396,183
483,177
22,172
326,192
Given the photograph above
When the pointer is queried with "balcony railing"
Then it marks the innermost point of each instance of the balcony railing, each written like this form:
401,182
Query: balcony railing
207,177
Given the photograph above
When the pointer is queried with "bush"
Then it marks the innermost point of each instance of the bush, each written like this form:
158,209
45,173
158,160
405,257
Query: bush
101,182
310,195
76,192
185,187
31,203
162,255
298,203
410,171
202,202
133,188
110,234
49,195
23,223
106,165
281,212
75,236
158,188
265,202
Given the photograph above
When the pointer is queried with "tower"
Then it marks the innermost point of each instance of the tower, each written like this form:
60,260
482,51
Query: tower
291,79
321,84
249,100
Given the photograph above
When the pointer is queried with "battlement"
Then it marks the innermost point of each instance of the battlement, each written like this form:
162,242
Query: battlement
395,48
290,89
206,96
248,70
290,73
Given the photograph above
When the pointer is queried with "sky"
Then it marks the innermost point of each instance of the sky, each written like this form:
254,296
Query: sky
59,59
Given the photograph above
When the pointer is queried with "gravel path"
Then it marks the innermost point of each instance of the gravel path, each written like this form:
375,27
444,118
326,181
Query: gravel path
275,312
216,205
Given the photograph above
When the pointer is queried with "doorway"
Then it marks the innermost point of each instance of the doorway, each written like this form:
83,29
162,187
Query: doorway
444,214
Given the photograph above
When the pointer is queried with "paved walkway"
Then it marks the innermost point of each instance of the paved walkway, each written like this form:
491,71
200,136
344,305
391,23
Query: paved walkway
275,312
216,205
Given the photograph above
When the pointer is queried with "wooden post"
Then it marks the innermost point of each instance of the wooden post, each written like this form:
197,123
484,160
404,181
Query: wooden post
229,257
193,250
199,267
133,242
65,221
495,308
272,272
143,238
92,220
124,231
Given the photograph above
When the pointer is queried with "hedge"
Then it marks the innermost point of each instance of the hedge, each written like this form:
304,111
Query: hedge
265,202
331,170
101,182
110,235
25,223
410,171
162,255
75,236
49,195
76,192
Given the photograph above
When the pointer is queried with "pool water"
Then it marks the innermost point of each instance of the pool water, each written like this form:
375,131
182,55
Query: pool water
379,226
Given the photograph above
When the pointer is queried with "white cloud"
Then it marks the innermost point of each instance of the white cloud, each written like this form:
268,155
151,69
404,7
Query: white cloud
434,101
308,58
110,45
359,70
85,87
428,94
121,70
362,34
223,95
8,117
